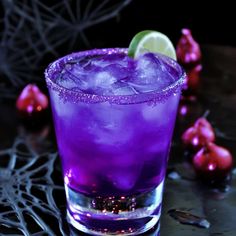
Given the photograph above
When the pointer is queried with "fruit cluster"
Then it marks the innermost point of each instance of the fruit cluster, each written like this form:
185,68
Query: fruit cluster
211,162
189,56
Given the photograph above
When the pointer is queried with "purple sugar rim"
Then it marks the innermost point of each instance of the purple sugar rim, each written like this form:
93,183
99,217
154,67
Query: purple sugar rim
55,68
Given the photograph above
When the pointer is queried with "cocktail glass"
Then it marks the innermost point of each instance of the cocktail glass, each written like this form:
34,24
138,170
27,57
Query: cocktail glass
114,150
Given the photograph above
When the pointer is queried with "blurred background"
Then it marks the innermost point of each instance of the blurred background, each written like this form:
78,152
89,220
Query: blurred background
211,23
33,33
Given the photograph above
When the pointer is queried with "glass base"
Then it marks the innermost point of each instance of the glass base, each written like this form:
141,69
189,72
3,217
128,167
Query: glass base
125,215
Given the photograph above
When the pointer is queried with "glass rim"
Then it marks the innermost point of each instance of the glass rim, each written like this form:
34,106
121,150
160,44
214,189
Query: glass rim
66,94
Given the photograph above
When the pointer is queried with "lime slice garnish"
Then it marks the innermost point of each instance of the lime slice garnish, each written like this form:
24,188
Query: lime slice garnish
151,41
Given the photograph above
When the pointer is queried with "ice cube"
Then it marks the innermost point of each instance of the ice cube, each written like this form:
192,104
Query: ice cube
147,68
151,74
107,60
73,77
154,113
124,168
98,74
124,180
102,79
117,71
67,81
77,71
109,126
124,90
109,81
108,132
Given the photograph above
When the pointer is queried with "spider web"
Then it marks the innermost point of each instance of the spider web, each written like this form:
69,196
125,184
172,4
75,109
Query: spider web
35,32
28,192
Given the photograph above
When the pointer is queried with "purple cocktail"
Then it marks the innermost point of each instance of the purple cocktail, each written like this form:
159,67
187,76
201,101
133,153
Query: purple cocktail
114,118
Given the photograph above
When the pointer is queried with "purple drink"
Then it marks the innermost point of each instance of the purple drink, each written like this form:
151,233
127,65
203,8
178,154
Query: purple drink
114,118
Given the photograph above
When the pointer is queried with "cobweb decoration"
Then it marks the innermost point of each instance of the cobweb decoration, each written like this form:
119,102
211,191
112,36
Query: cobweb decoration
28,192
35,32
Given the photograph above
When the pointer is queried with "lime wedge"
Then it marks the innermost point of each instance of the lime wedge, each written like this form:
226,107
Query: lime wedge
151,41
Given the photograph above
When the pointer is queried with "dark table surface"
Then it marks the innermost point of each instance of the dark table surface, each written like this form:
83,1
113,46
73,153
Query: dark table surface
32,200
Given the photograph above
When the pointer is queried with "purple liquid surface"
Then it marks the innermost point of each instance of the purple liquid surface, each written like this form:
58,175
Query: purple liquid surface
114,118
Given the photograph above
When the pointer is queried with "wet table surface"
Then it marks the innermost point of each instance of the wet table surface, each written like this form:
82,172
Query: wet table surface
32,200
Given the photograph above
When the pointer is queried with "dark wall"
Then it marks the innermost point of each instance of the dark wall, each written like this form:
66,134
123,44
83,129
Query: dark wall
25,48
210,22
